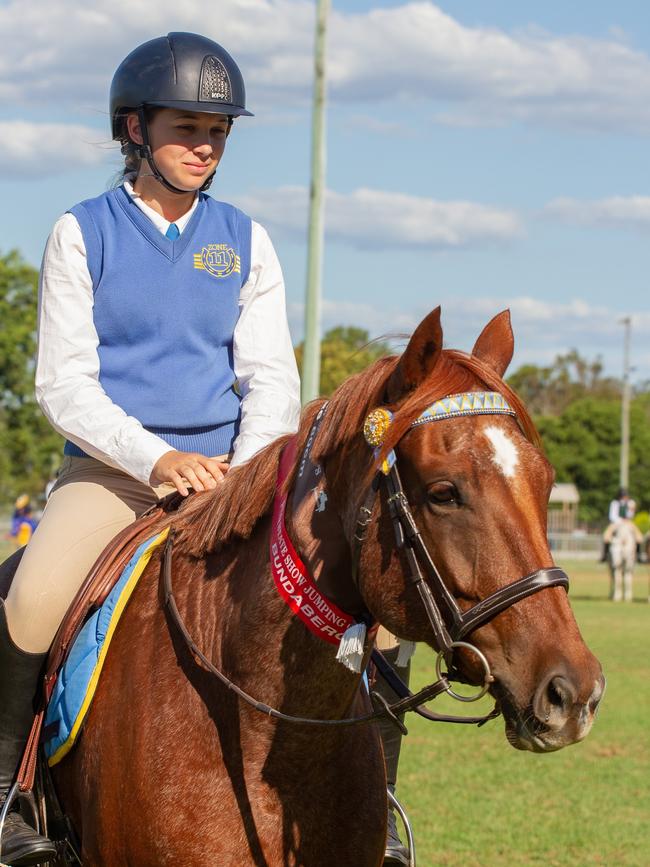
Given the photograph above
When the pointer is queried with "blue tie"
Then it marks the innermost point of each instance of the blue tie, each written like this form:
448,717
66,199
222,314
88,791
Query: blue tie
172,232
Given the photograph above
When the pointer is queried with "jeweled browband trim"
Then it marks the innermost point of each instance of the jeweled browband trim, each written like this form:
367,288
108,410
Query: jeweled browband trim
468,403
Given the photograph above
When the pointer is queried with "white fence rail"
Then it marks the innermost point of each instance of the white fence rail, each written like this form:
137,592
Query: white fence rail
577,546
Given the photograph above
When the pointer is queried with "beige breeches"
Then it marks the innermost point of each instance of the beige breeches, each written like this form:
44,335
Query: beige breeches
90,503
386,640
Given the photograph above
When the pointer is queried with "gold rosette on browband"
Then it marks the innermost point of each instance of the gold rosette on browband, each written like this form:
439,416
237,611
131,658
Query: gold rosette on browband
376,426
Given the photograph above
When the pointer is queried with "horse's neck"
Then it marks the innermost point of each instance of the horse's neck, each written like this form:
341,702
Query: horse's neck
236,613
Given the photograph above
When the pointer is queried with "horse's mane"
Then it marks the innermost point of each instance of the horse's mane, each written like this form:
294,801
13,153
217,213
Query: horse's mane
207,522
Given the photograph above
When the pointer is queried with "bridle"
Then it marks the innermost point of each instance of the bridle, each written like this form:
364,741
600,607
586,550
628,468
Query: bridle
450,625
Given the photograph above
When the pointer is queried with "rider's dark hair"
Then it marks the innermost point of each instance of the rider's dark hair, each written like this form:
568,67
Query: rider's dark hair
130,149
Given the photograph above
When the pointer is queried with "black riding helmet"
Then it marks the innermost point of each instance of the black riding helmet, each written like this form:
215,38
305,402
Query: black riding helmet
180,70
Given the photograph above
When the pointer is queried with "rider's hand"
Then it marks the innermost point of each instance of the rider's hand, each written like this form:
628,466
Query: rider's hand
188,469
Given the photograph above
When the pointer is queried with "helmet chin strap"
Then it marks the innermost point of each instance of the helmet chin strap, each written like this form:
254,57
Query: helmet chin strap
145,153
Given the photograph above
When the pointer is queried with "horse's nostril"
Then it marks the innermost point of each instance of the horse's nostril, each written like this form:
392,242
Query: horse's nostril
553,701
554,694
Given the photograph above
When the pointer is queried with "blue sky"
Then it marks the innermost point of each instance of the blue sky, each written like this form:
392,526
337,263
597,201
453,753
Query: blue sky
480,155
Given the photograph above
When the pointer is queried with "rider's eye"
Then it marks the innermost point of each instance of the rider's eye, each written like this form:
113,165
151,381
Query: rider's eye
443,494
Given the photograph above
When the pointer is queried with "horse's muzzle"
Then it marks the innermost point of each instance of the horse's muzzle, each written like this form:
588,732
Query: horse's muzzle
557,717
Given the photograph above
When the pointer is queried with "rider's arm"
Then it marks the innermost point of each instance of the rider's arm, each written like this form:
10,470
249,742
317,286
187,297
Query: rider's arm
263,356
67,367
614,511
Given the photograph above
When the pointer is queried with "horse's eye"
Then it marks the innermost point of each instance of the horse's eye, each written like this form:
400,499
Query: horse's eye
443,494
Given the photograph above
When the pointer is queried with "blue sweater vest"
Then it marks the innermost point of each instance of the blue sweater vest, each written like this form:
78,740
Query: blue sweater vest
165,312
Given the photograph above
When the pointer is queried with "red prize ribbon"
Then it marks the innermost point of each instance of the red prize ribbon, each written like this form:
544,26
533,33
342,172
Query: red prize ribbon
294,583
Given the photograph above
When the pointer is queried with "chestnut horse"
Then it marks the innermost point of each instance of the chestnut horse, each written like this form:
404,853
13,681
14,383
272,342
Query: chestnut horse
173,768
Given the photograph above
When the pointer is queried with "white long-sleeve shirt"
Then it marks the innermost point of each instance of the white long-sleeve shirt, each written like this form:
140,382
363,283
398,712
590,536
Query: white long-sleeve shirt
619,510
67,367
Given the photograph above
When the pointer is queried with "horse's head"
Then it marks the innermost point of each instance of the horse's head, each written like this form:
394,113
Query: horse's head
478,487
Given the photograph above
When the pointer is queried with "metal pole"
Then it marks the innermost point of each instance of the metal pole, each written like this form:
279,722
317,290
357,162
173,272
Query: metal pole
311,356
624,475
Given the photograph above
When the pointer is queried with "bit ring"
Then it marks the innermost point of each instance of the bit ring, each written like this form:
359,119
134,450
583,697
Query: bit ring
487,679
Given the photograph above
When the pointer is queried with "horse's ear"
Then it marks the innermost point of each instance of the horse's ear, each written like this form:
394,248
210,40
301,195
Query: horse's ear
496,343
419,358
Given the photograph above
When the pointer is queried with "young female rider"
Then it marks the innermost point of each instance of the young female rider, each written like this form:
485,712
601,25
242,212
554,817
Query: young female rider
164,351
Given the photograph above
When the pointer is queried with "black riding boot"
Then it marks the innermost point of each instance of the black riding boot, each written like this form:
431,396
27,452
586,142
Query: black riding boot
391,738
604,557
19,672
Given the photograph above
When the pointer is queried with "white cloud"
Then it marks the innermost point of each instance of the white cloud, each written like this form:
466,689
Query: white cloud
375,218
64,51
542,329
622,211
33,150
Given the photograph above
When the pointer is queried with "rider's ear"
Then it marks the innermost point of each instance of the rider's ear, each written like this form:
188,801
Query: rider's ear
419,358
496,343
134,128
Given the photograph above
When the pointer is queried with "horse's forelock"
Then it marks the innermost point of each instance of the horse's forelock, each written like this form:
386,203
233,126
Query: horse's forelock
454,373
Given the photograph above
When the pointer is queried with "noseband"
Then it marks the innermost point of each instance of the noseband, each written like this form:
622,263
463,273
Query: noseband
452,625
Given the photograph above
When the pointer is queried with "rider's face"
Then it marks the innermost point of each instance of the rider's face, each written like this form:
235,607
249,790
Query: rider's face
186,146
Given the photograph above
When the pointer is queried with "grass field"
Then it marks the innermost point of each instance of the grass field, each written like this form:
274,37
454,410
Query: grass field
475,801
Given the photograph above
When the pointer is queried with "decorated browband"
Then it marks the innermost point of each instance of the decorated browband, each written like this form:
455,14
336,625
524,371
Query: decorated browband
379,420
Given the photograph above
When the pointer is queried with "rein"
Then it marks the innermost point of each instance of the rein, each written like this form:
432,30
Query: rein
448,631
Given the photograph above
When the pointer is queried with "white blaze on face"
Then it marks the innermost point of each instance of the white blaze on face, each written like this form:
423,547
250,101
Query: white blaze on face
505,454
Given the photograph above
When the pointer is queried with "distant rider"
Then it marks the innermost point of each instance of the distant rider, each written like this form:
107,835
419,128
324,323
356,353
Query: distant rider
621,508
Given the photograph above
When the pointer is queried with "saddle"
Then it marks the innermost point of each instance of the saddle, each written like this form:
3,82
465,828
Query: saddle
98,584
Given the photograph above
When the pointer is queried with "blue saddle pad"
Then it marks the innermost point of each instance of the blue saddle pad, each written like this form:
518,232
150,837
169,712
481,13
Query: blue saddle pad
77,681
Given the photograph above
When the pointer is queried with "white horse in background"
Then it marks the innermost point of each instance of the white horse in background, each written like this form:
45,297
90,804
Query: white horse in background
622,557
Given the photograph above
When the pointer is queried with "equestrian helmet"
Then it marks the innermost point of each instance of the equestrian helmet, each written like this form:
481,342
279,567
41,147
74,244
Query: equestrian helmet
180,70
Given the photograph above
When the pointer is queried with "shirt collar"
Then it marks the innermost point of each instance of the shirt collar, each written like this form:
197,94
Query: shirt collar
159,221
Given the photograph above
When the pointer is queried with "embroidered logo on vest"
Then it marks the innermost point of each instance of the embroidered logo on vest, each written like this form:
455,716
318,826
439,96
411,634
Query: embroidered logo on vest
220,260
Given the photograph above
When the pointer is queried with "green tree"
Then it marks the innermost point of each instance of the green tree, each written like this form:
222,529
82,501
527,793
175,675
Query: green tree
583,444
578,413
27,443
550,390
344,351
